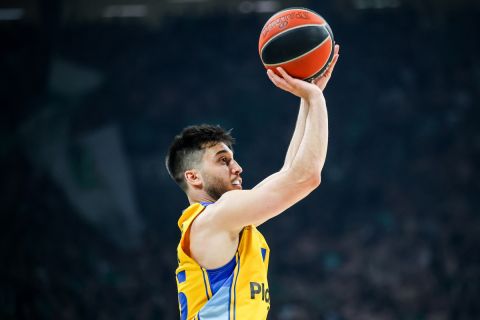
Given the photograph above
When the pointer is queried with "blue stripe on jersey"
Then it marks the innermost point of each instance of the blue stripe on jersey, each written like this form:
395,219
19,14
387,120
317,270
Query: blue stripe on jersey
235,289
217,308
182,299
218,276
203,203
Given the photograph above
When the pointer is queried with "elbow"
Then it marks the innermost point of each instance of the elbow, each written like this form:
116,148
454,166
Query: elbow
309,181
314,181
309,175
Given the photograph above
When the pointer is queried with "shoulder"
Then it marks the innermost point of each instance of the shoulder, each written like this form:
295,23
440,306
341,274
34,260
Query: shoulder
214,217
210,245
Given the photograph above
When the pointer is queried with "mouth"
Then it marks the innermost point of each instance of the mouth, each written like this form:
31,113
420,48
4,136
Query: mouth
237,183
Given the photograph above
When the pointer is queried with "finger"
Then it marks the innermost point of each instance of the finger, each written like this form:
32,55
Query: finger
282,81
323,79
336,50
335,57
278,81
285,75
332,64
291,81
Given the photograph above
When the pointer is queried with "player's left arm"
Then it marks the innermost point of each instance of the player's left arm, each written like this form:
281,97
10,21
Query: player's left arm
297,135
294,142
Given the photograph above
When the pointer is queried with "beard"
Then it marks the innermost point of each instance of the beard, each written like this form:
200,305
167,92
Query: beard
215,187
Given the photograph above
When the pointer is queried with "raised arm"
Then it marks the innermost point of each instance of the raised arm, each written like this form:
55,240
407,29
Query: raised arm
294,142
320,82
236,209
239,208
298,133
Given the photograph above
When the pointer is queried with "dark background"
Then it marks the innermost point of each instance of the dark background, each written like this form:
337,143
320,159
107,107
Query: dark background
92,92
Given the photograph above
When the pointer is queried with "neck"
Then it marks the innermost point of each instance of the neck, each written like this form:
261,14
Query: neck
196,198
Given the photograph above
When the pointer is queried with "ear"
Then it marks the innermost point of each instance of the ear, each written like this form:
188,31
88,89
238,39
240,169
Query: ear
193,178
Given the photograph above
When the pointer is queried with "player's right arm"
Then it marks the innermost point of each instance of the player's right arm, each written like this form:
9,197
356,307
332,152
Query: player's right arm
239,208
298,133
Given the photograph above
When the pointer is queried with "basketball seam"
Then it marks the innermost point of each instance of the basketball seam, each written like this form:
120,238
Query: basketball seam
327,63
288,30
300,56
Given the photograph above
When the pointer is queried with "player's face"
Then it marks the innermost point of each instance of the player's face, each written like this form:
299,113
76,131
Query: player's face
220,172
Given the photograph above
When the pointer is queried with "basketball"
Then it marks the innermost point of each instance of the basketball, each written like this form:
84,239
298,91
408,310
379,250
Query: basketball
299,40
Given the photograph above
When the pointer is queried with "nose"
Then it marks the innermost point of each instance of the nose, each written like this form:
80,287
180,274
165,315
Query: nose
236,169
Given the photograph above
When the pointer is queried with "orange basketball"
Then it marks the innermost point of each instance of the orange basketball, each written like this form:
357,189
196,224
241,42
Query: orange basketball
299,40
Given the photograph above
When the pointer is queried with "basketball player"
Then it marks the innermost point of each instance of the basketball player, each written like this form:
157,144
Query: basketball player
223,258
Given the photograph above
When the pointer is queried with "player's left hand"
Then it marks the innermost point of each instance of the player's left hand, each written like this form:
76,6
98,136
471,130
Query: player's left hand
322,81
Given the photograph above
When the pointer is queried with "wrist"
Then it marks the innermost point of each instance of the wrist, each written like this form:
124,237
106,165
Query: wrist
315,97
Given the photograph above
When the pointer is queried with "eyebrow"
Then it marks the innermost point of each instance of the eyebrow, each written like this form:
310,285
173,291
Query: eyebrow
221,151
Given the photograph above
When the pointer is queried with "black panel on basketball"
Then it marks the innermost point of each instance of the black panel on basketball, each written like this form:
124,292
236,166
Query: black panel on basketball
293,43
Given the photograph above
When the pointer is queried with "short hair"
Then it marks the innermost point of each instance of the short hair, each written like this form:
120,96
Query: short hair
188,147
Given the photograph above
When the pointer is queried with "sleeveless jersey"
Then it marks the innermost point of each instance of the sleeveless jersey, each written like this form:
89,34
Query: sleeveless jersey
242,291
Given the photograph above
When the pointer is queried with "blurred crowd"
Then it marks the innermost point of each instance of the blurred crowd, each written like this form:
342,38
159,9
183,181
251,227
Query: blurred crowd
392,232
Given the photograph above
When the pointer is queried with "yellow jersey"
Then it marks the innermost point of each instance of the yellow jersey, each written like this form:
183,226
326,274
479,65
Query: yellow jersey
237,291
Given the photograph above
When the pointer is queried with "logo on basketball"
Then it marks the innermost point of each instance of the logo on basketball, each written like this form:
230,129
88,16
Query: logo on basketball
282,21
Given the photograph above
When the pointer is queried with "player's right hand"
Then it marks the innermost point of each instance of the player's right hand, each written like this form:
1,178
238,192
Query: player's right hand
300,88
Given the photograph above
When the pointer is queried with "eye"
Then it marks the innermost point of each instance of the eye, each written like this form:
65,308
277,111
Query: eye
225,160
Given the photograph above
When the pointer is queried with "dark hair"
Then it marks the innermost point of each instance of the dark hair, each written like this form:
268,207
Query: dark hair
188,147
